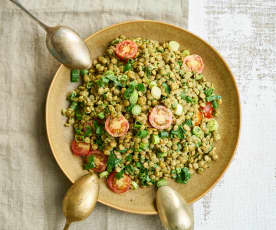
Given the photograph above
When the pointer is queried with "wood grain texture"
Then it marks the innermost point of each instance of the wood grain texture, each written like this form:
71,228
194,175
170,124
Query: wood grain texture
244,33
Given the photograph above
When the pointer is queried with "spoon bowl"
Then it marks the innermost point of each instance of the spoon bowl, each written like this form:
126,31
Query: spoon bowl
68,48
80,199
64,44
174,212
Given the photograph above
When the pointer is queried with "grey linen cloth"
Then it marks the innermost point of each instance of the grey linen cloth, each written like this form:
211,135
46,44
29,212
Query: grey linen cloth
31,184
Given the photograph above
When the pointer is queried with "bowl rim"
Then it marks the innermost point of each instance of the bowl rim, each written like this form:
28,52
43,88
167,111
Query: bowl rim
176,27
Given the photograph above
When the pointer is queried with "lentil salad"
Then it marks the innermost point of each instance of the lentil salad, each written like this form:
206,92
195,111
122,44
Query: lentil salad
143,113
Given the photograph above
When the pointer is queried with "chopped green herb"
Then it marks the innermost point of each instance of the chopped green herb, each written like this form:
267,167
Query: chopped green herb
88,131
89,85
208,92
129,108
112,162
129,157
73,105
188,99
138,164
144,176
182,176
101,115
183,95
180,63
78,115
72,96
129,169
180,132
166,87
120,174
189,123
128,92
144,146
147,71
141,87
213,98
142,133
84,72
99,142
164,134
137,124
161,183
215,104
128,65
78,131
75,75
90,163
98,128
161,154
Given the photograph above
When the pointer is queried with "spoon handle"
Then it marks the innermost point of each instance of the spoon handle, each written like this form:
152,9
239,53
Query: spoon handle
44,26
67,224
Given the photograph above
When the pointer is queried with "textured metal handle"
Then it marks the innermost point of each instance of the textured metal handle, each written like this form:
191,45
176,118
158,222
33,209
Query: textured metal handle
44,26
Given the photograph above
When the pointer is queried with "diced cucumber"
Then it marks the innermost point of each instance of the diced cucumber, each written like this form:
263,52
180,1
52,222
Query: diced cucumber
212,125
198,132
173,45
103,174
152,83
136,110
161,183
178,109
156,92
155,139
133,97
134,185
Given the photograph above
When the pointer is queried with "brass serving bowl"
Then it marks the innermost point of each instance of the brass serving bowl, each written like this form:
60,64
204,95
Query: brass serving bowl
141,201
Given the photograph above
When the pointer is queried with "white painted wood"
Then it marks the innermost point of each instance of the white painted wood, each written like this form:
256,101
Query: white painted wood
244,33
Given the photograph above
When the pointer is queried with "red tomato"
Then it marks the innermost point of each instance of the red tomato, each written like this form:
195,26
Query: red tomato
160,117
126,50
194,63
207,110
118,185
199,118
80,148
117,127
99,159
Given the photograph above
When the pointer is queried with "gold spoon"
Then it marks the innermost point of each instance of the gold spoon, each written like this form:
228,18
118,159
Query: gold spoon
64,44
81,198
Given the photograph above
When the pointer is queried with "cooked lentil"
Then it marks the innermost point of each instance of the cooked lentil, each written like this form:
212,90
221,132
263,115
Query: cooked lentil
156,76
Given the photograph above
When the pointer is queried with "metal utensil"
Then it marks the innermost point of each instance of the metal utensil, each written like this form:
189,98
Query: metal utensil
80,199
64,44
174,212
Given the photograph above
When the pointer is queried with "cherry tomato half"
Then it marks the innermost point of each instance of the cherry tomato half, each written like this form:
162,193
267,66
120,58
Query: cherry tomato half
126,50
100,160
199,118
160,117
118,185
117,127
207,110
194,63
80,148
